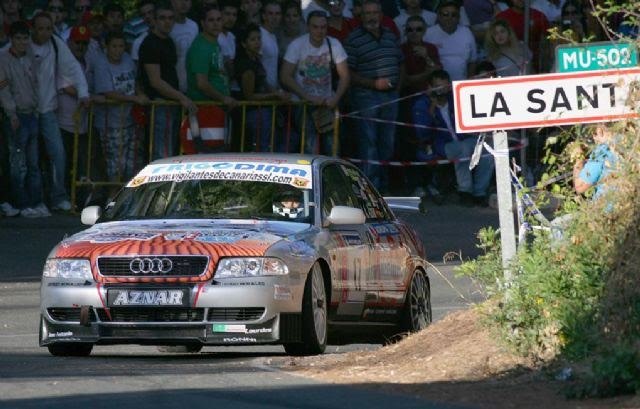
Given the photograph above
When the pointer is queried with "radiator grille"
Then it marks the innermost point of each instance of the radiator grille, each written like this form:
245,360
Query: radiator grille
180,266
235,314
148,314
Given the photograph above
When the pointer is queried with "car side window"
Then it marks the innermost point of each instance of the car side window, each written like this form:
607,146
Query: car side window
335,190
369,200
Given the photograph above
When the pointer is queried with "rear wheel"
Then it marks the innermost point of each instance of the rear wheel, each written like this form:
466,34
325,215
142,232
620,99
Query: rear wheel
314,316
70,349
417,309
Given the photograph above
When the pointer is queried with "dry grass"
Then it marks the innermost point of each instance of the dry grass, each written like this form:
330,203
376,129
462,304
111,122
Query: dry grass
455,360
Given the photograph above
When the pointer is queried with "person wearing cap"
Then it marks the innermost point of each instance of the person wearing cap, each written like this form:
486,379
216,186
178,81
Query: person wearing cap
19,102
456,43
376,66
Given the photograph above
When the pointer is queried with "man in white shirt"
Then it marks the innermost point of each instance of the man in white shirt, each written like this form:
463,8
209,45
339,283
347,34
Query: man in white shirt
183,33
271,18
52,61
456,43
307,72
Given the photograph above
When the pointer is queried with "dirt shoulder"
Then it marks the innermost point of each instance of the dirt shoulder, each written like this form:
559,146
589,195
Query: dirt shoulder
454,361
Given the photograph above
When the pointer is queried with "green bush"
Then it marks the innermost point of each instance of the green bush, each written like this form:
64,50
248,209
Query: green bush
576,298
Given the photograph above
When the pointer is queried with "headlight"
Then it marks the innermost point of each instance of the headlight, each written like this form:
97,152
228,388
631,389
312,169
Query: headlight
71,268
250,267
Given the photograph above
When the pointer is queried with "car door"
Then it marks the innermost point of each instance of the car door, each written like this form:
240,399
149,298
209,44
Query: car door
386,278
349,249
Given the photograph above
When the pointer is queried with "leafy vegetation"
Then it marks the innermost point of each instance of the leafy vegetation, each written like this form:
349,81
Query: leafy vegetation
577,297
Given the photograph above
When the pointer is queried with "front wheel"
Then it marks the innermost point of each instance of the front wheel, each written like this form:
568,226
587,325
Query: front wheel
314,316
417,313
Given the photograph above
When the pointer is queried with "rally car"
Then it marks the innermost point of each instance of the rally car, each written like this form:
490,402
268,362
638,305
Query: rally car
235,249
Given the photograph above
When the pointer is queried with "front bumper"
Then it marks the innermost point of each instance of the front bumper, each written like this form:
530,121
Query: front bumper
232,312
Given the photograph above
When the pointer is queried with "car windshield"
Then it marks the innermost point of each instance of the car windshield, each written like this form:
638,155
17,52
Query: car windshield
212,199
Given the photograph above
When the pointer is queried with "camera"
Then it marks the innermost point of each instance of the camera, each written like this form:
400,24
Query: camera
567,25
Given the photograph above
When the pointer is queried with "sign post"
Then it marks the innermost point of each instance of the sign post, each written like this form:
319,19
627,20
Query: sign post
534,101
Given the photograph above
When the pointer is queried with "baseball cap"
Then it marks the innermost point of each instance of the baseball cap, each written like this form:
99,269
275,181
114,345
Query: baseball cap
80,33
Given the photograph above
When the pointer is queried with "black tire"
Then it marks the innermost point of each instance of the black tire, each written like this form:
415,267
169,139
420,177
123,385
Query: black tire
70,349
181,349
417,313
314,316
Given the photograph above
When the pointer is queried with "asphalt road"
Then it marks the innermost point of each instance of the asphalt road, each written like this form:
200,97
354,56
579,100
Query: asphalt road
140,377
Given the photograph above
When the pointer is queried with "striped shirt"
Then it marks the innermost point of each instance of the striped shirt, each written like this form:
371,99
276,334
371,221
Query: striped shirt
373,58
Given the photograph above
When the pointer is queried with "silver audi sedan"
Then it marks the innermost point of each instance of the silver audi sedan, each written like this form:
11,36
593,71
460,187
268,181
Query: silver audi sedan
236,249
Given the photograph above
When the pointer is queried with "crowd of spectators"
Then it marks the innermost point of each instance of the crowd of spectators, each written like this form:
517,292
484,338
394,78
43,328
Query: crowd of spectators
383,61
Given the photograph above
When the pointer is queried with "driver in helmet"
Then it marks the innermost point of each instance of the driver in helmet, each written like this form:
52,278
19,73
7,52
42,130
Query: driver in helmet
289,205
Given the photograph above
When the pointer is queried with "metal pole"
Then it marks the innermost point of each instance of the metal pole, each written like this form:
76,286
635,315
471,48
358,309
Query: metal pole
505,201
527,64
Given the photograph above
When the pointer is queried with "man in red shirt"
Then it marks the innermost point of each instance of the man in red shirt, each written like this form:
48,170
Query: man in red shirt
420,58
339,26
539,25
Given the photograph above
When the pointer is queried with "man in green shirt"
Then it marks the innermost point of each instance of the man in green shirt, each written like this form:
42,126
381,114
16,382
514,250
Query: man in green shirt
206,76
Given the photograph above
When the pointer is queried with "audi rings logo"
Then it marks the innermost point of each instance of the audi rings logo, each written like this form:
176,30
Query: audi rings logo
147,265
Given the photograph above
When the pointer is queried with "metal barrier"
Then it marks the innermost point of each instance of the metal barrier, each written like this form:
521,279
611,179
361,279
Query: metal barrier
90,178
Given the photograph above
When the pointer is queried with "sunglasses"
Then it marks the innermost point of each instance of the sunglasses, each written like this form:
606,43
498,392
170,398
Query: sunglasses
55,8
448,14
410,29
571,13
83,8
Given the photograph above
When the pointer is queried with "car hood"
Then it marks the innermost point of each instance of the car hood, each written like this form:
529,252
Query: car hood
215,239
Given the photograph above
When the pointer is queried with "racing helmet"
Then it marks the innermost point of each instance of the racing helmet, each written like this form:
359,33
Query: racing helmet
289,204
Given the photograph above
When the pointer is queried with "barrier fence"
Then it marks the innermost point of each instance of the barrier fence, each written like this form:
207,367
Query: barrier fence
239,131
289,125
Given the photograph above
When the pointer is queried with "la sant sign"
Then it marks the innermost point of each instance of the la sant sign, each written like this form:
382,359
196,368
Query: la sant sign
533,101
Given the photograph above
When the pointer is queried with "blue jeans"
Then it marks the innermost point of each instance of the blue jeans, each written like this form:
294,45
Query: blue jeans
258,129
477,181
375,139
57,158
26,179
166,124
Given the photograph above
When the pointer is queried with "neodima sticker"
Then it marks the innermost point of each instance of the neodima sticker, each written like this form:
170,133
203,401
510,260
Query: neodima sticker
533,101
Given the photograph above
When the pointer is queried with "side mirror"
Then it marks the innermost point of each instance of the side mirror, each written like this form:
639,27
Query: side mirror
346,215
90,215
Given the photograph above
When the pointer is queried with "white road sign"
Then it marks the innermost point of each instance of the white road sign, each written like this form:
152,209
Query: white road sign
533,101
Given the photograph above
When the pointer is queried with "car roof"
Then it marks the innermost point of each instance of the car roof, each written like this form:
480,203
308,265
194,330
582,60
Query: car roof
279,158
